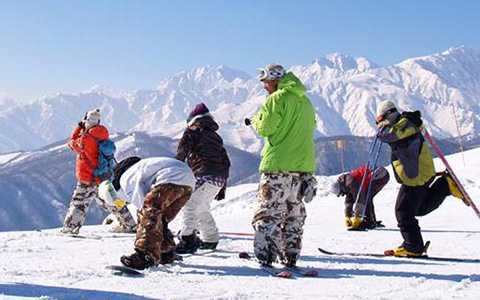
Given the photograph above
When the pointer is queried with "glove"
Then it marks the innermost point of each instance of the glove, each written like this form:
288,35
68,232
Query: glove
81,125
382,124
348,222
248,122
356,222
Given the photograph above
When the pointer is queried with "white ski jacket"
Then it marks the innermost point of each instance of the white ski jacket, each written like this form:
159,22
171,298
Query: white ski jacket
140,178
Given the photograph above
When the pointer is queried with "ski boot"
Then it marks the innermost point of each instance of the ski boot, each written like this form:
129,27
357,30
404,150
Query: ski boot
138,260
403,252
188,244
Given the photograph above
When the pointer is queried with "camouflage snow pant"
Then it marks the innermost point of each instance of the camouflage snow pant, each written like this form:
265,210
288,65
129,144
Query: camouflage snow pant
83,195
161,205
279,217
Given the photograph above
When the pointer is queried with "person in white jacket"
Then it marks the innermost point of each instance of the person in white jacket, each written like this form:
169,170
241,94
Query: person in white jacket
160,187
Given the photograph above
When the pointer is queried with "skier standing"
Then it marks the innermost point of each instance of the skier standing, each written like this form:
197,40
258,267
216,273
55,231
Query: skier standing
160,187
84,142
286,121
203,149
348,185
420,192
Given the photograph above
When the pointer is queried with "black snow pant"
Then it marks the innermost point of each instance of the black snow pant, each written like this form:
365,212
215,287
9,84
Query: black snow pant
416,201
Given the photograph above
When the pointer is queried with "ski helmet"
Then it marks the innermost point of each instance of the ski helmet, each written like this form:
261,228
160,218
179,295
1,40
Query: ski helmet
271,72
384,107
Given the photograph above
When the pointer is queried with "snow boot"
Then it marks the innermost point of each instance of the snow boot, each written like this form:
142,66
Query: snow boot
188,244
167,257
138,260
403,252
72,231
208,245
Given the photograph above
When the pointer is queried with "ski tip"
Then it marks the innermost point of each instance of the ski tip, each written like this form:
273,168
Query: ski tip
284,274
389,252
325,251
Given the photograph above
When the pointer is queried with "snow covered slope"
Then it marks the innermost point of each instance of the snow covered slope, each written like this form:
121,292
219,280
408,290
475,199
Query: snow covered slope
343,89
44,265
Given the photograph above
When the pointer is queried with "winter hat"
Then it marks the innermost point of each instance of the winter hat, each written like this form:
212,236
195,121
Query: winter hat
121,167
384,107
92,117
200,110
271,72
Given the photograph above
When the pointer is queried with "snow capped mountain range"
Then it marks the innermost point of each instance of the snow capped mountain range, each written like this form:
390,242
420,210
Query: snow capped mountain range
344,91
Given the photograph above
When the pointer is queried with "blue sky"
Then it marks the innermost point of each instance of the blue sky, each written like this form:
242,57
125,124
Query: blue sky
50,46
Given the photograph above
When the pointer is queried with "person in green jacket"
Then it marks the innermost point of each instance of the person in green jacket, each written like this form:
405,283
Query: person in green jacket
420,192
286,121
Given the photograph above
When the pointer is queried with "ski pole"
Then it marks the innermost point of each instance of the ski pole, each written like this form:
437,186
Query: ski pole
367,199
439,152
367,168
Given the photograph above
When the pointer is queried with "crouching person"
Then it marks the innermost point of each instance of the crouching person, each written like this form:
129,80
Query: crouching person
348,185
160,187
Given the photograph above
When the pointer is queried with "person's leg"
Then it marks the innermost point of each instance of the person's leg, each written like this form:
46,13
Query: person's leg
269,216
293,225
121,213
190,212
81,199
436,193
152,238
206,222
409,200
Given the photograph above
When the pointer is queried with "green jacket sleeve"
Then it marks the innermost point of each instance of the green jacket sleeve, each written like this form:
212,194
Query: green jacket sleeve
267,120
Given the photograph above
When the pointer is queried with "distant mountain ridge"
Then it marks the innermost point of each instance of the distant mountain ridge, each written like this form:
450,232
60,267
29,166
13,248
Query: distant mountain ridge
344,91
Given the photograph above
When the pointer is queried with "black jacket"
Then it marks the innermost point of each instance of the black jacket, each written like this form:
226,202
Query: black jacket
203,149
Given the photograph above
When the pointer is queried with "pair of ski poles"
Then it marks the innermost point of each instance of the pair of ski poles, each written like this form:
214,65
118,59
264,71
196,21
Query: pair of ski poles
373,155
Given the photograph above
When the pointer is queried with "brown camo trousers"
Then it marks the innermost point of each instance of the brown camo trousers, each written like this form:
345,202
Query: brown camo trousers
161,205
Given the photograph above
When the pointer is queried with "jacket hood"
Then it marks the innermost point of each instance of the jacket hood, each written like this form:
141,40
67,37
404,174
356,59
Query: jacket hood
291,83
99,132
207,122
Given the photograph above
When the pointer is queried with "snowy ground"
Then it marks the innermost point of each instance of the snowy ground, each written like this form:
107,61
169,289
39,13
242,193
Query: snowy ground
44,265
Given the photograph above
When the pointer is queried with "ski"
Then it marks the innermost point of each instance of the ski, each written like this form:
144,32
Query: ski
466,197
286,272
382,255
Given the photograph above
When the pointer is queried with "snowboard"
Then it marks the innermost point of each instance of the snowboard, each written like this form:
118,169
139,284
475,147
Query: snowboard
124,271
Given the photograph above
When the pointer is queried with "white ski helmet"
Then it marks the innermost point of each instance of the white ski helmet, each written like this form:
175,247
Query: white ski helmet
384,106
271,72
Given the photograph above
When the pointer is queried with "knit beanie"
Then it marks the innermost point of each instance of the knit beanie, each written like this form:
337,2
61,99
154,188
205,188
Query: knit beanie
200,110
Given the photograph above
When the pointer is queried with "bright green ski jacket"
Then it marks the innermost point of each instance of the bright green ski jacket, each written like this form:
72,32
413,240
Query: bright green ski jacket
287,122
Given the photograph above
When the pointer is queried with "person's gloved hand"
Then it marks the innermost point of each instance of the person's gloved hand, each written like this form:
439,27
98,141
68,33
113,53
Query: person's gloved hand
383,124
348,222
81,125
248,122
356,222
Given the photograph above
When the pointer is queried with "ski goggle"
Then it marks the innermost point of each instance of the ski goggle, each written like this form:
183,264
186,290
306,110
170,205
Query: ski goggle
270,74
